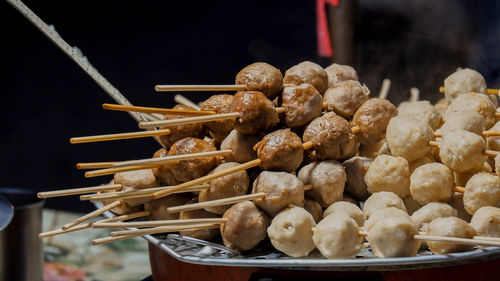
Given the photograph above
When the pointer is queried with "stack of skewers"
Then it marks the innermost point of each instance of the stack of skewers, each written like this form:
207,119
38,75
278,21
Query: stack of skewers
329,167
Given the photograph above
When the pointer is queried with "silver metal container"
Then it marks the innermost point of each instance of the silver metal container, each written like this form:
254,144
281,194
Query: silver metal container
21,252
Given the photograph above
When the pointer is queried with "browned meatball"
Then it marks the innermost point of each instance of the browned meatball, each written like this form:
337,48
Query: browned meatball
158,207
281,150
187,170
307,72
241,147
204,234
261,77
345,97
331,137
179,132
337,73
163,173
234,184
372,117
257,112
314,208
246,226
302,104
355,169
219,104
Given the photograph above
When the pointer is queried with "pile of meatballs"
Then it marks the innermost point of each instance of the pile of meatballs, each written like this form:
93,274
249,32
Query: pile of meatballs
383,178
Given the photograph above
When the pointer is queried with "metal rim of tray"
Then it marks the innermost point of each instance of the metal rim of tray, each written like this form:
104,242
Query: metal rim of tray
204,256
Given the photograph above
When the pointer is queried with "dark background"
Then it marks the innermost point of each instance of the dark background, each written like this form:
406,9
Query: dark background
47,98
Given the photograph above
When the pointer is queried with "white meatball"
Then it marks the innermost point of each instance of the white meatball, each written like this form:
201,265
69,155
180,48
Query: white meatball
421,161
291,232
381,200
461,179
389,173
474,102
422,110
486,221
393,237
464,120
431,182
347,208
345,97
337,73
462,151
337,236
281,190
463,81
449,227
355,169
423,216
408,137
482,189
441,106
382,214
241,145
327,179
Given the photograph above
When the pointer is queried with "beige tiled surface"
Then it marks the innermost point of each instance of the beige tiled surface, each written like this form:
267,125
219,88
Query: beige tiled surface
121,260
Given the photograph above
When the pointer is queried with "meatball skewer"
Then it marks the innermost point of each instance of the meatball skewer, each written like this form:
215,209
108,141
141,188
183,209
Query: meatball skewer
488,91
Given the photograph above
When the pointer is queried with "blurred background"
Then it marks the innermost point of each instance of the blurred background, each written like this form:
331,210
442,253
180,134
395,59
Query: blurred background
47,98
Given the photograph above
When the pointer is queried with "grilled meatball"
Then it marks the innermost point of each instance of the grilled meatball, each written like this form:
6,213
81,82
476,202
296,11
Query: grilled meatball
219,104
338,73
241,146
486,221
382,214
422,110
234,184
355,169
450,227
204,234
331,137
463,81
474,102
257,112
246,226
187,170
261,77
464,120
483,189
281,189
381,200
345,97
372,117
302,104
179,132
347,208
388,173
393,237
462,151
408,137
158,207
423,216
136,180
327,179
314,208
431,182
281,150
164,173
307,72
337,236
291,232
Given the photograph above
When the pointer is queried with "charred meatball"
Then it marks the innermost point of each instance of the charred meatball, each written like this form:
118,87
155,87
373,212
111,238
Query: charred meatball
261,77
182,131
257,112
372,118
164,173
280,150
302,104
219,104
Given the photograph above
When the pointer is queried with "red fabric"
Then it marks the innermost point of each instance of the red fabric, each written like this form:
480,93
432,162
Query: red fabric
323,34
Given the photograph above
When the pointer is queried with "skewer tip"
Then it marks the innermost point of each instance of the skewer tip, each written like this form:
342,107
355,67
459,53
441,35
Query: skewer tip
157,88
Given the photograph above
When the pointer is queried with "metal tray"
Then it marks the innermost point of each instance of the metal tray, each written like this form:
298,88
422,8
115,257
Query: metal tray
197,251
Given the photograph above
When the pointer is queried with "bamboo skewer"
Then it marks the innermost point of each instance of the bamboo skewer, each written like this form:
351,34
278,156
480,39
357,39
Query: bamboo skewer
195,88
447,239
92,214
214,203
384,90
164,229
158,223
126,217
457,188
120,136
110,171
180,99
488,152
488,91
105,240
66,192
164,111
492,133
414,94
94,165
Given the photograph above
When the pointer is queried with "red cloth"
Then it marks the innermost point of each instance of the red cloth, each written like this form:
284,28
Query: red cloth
323,34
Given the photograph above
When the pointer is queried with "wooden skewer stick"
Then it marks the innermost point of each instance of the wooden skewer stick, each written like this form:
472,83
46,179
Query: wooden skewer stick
105,240
91,224
121,136
180,99
492,133
164,229
158,223
414,94
355,129
195,88
384,90
94,165
92,214
486,238
308,187
66,192
453,240
111,171
175,158
214,203
457,188
488,91
488,152
137,193
164,111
